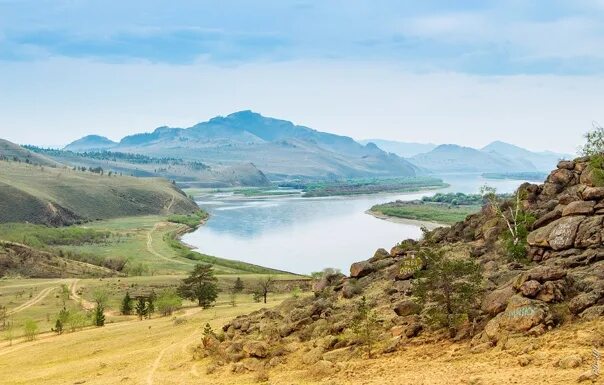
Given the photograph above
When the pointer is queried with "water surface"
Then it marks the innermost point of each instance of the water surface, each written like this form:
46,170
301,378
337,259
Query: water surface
308,234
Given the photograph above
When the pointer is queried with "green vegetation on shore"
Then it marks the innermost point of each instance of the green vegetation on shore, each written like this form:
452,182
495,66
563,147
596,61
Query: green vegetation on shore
529,175
440,208
365,186
192,220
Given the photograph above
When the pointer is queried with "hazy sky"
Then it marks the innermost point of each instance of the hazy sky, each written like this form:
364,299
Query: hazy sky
531,73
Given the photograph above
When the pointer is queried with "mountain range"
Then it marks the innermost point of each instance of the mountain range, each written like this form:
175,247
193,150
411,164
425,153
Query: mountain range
281,150
278,147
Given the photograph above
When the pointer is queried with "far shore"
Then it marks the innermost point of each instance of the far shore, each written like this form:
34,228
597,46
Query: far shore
406,221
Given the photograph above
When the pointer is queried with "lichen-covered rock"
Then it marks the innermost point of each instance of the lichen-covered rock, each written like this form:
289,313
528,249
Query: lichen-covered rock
593,193
530,288
256,349
564,230
582,302
566,164
379,255
589,232
521,315
561,176
360,269
497,300
579,208
406,308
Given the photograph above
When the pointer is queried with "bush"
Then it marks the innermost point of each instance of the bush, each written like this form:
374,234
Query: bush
168,301
30,329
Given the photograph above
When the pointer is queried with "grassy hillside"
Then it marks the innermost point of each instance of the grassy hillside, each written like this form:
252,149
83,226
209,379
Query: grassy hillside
14,152
62,196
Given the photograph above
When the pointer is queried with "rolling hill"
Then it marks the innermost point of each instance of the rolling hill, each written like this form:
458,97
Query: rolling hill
404,149
58,195
277,147
543,161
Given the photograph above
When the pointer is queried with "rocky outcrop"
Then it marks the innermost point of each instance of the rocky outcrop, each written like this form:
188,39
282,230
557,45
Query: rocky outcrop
564,273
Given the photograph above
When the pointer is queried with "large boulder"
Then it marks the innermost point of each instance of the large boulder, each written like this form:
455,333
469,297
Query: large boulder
256,349
496,301
589,232
561,176
360,269
530,288
566,164
562,235
521,315
406,308
579,208
593,193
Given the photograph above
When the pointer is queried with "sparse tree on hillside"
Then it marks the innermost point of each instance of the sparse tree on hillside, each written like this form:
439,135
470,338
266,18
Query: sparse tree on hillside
9,333
30,329
594,149
265,285
168,302
141,308
200,286
451,287
100,297
3,316
126,307
150,304
238,287
516,219
61,321
365,325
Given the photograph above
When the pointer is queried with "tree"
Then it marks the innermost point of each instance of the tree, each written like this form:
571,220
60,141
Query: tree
64,294
516,219
168,301
200,286
594,141
365,325
450,286
9,333
141,308
150,309
30,329
264,286
61,321
238,286
76,320
99,315
3,316
126,307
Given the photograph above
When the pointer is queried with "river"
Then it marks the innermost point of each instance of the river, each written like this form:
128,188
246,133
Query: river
302,235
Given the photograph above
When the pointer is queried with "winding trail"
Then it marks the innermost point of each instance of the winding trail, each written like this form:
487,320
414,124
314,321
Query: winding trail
87,305
152,250
41,295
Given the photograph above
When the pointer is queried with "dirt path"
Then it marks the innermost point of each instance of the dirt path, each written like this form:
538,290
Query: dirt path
152,250
41,295
87,305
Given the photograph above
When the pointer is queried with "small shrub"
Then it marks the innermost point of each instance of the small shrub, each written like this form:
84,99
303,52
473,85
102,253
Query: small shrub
30,329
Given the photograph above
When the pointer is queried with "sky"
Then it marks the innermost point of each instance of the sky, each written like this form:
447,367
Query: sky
466,72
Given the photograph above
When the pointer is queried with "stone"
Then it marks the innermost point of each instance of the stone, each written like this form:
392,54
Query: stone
582,302
561,176
550,293
546,273
579,208
525,360
589,232
496,301
587,177
564,230
521,315
360,269
593,193
379,255
323,368
530,288
547,218
539,237
406,308
570,362
593,313
256,349
413,330
566,164
313,356
397,330
551,189
587,376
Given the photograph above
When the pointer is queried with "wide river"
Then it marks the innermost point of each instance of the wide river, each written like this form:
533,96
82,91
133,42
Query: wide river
302,235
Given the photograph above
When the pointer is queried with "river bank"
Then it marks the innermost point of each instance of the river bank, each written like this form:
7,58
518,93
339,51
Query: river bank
406,221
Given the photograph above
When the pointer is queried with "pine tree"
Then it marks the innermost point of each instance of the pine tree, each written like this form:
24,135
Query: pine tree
200,286
150,307
365,325
126,307
238,287
452,285
141,308
99,315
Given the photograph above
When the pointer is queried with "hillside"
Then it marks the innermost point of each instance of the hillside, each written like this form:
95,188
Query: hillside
404,149
186,173
559,286
277,147
543,161
14,152
62,196
21,260
451,158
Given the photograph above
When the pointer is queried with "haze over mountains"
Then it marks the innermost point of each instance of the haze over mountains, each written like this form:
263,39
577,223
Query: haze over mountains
282,150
